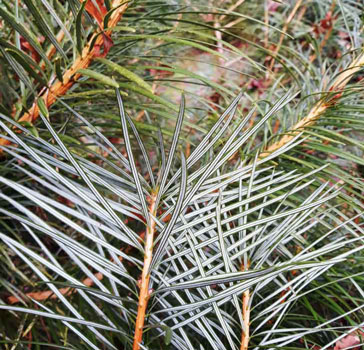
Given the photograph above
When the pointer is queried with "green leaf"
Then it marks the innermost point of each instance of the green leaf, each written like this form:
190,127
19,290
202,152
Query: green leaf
173,39
79,27
168,331
28,125
122,29
57,68
43,108
147,93
126,73
111,10
104,79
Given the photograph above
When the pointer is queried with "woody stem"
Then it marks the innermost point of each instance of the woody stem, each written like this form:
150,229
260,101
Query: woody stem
246,316
144,285
315,113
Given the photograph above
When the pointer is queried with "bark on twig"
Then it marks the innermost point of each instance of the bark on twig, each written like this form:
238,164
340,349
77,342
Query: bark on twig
245,334
144,284
52,50
48,294
246,316
284,31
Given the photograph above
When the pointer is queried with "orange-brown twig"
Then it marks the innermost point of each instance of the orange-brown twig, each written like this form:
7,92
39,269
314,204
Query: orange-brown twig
329,30
284,31
245,334
246,316
59,88
88,282
144,285
48,294
52,50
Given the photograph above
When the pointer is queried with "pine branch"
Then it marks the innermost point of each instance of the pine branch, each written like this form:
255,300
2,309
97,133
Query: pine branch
338,86
284,31
246,315
245,334
60,88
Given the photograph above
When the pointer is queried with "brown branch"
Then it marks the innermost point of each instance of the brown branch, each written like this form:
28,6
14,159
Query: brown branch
144,284
88,282
59,88
284,31
245,334
48,294
246,316
315,113
328,32
52,50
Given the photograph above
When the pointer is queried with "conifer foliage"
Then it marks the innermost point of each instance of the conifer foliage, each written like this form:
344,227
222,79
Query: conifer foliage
181,174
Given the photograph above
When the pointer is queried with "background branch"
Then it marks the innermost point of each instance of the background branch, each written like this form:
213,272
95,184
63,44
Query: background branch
315,113
70,77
